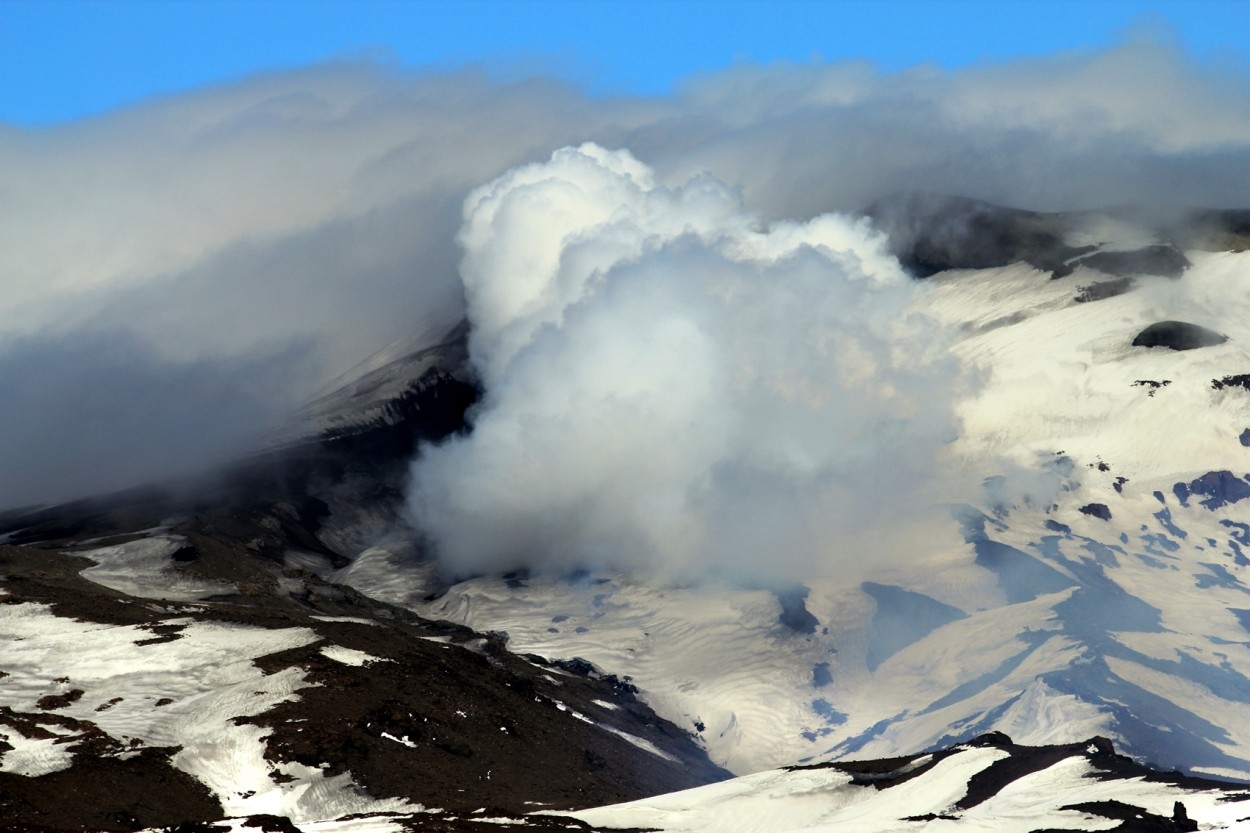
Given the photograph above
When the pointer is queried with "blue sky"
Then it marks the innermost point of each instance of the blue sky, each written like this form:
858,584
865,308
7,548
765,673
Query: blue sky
61,60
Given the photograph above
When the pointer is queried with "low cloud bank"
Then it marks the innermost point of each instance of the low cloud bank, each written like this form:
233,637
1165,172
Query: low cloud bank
280,230
180,276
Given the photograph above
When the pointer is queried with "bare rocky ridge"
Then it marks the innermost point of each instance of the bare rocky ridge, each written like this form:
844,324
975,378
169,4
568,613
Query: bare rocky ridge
931,233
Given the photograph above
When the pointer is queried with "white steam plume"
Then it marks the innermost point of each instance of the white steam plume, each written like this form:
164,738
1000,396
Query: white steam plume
671,384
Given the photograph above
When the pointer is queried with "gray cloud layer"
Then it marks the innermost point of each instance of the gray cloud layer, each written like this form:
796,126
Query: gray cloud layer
270,234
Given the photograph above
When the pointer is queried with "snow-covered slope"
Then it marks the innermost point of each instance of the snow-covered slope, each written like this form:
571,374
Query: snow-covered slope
187,671
1083,592
988,784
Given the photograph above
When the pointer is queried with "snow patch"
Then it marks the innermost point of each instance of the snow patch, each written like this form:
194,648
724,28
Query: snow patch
347,656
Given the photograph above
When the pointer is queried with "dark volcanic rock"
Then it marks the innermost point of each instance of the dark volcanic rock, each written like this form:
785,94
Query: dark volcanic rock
882,772
1132,819
1096,510
1178,335
930,233
794,613
1219,488
1161,259
59,701
1102,763
463,727
1154,385
443,716
1103,289
1239,380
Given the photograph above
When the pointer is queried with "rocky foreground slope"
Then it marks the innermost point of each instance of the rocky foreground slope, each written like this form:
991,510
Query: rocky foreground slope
174,655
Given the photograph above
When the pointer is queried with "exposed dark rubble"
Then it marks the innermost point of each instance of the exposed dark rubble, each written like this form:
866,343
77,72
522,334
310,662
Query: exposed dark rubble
389,394
1215,489
1163,259
1239,380
1178,335
1152,386
1096,510
794,613
1102,290
485,727
930,233
106,793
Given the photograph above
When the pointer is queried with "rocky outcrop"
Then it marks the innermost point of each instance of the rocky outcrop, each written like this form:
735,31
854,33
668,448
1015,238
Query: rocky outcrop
1178,335
930,233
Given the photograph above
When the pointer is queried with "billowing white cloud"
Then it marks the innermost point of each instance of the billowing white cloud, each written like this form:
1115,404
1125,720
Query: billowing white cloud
673,384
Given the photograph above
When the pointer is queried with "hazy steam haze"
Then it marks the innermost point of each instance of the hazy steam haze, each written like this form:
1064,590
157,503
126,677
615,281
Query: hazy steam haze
235,248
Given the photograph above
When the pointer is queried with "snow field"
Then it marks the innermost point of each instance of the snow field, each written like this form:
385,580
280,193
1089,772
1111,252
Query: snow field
184,692
825,801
